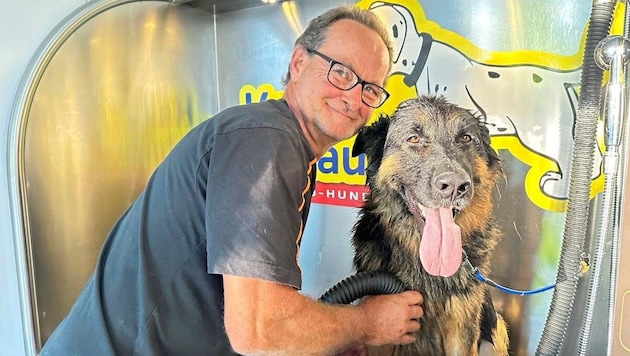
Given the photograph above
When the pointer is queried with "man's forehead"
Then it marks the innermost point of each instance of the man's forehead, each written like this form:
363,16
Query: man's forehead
347,43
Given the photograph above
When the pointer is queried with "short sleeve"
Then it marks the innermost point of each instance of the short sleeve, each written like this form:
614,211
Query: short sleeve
257,186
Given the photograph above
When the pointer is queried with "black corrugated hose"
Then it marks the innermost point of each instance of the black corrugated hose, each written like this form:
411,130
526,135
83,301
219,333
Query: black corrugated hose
361,284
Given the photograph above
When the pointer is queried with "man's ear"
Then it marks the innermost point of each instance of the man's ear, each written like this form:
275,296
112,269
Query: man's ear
299,58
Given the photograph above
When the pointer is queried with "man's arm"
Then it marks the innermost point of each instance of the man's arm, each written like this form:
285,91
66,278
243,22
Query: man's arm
263,317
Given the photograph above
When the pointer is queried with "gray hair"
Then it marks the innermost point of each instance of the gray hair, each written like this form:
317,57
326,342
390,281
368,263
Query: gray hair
317,29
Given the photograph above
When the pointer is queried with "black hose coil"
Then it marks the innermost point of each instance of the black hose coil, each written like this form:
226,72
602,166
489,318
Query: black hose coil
362,284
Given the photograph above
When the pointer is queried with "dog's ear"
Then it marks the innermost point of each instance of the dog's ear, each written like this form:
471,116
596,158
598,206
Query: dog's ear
371,141
494,161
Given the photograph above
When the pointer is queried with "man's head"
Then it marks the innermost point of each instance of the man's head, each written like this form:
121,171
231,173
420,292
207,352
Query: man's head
337,73
315,33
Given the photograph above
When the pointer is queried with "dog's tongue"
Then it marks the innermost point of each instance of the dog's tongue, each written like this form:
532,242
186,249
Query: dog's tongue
441,244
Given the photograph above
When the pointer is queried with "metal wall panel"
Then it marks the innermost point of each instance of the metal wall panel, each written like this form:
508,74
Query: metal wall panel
123,89
119,92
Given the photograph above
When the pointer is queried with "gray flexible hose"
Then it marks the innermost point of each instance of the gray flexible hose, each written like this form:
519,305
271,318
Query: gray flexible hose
579,184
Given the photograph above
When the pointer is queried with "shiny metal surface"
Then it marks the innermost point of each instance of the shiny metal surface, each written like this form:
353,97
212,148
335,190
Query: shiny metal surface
116,92
219,6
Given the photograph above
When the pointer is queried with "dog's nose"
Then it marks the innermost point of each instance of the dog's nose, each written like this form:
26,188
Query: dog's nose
451,185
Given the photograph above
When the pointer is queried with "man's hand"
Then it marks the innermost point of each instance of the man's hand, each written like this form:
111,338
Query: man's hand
392,319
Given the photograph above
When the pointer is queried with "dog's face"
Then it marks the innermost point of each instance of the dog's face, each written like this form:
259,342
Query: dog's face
436,158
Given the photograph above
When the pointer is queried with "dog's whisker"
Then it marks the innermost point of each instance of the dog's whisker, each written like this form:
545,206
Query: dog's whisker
517,232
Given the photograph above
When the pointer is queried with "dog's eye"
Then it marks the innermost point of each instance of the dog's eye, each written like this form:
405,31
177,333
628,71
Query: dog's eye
413,139
466,138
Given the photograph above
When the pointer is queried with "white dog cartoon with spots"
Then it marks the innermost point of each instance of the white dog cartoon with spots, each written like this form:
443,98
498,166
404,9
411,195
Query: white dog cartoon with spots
537,105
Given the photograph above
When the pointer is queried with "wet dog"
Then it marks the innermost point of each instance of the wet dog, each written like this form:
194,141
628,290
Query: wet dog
431,173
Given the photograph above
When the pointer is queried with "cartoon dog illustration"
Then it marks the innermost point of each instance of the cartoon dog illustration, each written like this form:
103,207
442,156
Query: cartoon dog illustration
535,105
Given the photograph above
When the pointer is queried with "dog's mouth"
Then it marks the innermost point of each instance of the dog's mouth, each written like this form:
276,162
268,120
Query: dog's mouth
441,242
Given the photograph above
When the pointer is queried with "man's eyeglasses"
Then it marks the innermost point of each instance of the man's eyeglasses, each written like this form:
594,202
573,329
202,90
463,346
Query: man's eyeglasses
345,78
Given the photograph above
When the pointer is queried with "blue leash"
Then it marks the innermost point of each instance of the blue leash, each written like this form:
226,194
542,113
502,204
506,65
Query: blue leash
494,284
475,272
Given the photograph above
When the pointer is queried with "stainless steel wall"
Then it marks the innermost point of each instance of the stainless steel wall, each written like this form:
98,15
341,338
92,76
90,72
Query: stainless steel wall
117,94
128,82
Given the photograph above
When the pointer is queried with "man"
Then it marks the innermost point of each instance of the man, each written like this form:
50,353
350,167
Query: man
205,261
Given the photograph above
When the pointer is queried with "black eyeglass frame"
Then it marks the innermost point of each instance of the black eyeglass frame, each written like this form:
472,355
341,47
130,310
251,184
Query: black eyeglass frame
332,62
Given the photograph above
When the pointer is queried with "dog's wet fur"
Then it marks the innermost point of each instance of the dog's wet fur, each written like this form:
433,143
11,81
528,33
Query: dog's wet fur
436,154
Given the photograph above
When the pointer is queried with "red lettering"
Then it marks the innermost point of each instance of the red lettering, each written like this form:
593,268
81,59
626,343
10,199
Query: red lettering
340,194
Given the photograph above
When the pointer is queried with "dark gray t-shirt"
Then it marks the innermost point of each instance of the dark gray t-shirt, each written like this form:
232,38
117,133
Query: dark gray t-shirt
231,197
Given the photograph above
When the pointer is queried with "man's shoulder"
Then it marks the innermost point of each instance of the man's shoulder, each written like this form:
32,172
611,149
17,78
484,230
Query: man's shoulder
268,114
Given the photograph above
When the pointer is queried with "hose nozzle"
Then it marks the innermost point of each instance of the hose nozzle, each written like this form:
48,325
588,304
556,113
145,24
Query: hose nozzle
612,53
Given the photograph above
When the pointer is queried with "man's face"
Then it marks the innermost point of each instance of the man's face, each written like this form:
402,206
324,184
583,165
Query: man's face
330,114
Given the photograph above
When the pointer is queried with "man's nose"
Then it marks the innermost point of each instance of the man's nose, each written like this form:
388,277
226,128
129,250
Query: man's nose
352,97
